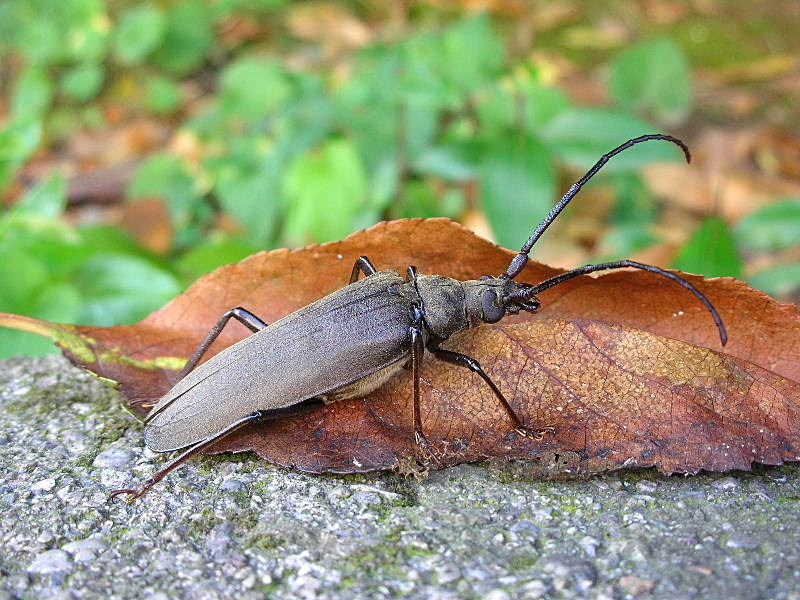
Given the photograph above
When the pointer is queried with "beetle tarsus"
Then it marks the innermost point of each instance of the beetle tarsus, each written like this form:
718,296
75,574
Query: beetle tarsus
535,434
133,493
427,451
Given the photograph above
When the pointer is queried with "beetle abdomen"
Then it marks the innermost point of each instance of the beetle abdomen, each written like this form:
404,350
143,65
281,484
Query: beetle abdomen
328,345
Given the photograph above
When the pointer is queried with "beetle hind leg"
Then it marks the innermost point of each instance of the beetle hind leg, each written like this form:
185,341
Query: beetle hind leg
134,493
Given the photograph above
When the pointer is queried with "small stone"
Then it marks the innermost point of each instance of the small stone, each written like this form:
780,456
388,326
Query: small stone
233,485
726,483
525,529
44,485
646,487
113,458
569,572
85,550
741,541
636,586
589,545
448,573
534,589
49,562
497,594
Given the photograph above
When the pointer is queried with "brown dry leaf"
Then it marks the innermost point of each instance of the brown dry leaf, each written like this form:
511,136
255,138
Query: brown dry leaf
626,366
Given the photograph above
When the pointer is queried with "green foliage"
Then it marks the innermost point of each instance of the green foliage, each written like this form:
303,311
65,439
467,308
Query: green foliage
653,78
296,154
163,176
33,94
186,38
18,141
711,251
82,82
773,228
517,186
139,32
91,275
324,190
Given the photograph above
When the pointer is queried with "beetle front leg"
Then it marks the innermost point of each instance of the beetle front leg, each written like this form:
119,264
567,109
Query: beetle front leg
463,360
362,265
244,316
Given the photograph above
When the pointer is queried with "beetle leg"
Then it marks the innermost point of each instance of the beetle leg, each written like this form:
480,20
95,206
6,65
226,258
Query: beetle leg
140,491
244,316
463,360
417,351
277,413
362,265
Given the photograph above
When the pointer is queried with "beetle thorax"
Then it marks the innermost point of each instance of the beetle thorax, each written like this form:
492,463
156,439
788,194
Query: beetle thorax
450,305
442,300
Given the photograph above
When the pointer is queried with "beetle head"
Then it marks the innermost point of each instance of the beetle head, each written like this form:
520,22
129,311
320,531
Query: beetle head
502,295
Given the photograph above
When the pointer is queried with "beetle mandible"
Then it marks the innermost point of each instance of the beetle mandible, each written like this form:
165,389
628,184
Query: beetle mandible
388,322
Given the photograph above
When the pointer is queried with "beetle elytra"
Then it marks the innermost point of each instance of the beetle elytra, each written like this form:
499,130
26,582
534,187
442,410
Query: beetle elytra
359,336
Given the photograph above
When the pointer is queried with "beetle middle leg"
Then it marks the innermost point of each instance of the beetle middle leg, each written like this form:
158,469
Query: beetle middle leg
417,351
463,360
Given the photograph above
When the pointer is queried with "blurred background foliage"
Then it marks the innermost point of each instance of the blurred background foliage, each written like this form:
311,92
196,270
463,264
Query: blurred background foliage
144,143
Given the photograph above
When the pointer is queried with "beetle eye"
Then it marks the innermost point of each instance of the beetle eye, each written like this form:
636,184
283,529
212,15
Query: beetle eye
492,313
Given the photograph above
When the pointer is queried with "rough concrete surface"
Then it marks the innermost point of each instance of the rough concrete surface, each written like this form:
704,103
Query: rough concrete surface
238,527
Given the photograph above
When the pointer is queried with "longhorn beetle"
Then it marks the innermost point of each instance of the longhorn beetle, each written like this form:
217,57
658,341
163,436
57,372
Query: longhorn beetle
359,337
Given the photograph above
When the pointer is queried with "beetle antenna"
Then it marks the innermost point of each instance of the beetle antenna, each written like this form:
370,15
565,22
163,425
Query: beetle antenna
518,263
528,291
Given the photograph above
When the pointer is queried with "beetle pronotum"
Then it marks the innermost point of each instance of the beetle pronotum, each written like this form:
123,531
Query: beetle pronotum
388,322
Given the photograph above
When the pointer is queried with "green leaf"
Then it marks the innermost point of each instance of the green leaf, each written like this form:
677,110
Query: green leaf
421,201
247,183
323,192
517,186
623,240
519,102
163,95
189,33
445,163
772,227
122,289
52,31
780,280
87,31
653,77
164,176
48,198
210,254
83,82
711,251
580,136
57,302
253,88
454,62
18,141
21,275
33,94
140,30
